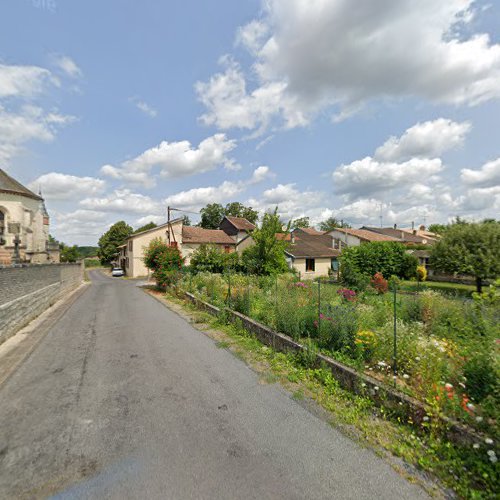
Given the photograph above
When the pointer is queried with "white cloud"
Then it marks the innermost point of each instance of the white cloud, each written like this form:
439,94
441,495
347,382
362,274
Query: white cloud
78,227
368,176
23,81
57,186
482,199
68,66
312,55
424,140
144,107
176,159
197,197
27,124
230,105
124,201
488,175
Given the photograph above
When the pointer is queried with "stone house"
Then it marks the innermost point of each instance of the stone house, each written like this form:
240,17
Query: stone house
24,225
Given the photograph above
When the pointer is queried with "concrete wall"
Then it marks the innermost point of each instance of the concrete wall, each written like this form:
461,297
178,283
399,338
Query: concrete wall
25,292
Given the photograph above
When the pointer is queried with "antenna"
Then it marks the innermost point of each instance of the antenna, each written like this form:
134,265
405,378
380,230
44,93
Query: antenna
381,216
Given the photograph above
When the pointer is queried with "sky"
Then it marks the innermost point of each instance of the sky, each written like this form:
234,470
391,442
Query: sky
370,112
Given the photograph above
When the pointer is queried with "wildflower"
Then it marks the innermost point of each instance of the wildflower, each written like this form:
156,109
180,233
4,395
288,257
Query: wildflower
488,441
376,388
479,419
492,456
448,386
382,364
475,446
417,358
461,385
471,406
426,419
363,384
406,376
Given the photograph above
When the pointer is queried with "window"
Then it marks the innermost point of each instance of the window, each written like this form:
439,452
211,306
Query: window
309,265
335,264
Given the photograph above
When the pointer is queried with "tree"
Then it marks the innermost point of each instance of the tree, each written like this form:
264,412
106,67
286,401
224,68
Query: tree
186,220
332,223
213,213
164,261
211,216
236,209
301,222
385,257
267,255
469,248
146,227
111,240
68,254
209,258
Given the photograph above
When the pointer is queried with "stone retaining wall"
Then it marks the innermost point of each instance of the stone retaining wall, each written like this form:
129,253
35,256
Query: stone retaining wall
27,291
348,378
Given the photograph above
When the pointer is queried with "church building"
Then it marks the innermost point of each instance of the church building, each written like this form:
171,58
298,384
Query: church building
24,225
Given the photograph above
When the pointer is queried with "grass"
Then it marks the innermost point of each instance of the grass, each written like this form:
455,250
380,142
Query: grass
450,289
463,470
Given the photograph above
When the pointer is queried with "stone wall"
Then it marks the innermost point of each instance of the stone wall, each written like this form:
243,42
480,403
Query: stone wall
26,291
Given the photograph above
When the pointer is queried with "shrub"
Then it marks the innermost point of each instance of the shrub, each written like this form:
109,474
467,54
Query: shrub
164,261
209,258
481,377
379,283
421,273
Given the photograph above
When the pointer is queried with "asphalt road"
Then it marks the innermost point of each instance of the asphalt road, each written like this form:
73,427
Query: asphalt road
124,399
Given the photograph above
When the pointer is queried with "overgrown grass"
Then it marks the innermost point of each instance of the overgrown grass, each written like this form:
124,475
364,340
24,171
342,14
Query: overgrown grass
466,470
447,349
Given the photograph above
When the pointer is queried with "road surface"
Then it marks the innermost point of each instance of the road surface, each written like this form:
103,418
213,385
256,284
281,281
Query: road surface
124,399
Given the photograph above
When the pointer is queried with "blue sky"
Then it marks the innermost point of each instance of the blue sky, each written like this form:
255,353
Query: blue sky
117,109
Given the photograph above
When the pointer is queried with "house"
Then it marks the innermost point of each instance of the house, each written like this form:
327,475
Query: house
236,227
186,238
406,237
311,254
422,231
131,253
423,257
347,237
24,225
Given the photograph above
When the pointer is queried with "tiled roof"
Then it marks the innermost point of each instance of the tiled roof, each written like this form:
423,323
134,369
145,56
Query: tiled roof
398,234
10,185
241,223
313,246
366,235
191,234
310,230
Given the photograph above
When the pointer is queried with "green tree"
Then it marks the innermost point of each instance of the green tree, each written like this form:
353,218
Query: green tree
213,213
164,261
211,216
237,209
146,227
469,248
186,220
301,222
111,240
267,254
385,257
210,258
332,223
68,254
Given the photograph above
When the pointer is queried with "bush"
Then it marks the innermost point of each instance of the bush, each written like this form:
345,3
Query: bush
164,261
379,283
481,377
210,259
421,273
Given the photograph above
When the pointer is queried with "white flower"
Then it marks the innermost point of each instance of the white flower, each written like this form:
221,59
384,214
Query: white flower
493,459
381,363
490,453
376,388
492,456
488,441
363,385
405,375
471,406
426,419
479,419
461,385
448,386
475,446
417,358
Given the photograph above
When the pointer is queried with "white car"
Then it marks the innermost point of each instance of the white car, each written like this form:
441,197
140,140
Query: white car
117,272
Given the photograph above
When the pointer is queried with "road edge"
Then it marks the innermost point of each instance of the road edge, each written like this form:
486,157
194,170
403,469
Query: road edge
16,349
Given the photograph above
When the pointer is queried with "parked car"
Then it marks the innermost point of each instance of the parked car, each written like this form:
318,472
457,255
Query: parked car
117,272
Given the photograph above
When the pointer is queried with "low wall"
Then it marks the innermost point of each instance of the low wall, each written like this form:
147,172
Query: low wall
27,291
348,378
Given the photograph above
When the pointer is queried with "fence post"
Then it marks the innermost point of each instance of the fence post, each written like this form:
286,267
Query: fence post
229,288
191,282
395,354
319,307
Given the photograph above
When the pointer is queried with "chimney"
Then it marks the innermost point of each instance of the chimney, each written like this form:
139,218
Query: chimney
422,228
412,225
293,238
395,226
